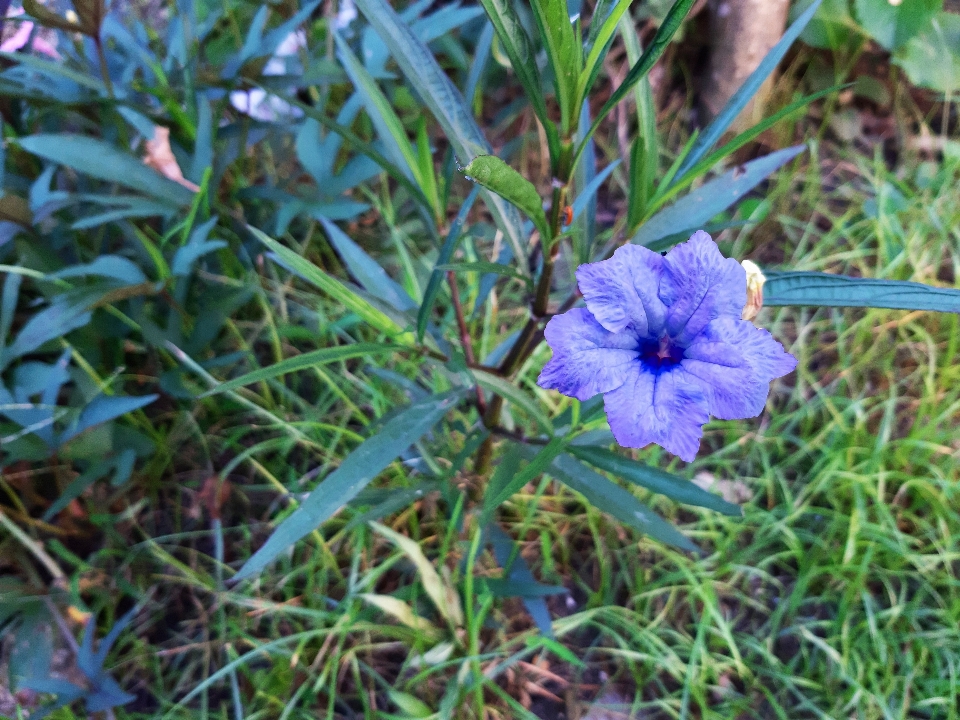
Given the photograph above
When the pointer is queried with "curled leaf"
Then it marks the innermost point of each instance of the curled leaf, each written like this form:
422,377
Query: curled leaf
160,157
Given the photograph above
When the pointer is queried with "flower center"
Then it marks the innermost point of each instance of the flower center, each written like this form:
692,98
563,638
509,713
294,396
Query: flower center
660,354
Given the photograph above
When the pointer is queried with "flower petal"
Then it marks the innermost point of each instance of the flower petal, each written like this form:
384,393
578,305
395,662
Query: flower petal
659,408
586,358
733,362
624,290
698,285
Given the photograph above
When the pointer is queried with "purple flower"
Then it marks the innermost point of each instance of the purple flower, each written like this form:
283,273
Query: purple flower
663,340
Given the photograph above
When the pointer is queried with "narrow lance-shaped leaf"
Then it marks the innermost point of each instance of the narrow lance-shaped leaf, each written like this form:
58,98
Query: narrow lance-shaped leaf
494,174
602,27
564,53
371,276
104,161
675,488
445,102
697,208
357,470
825,290
665,32
746,91
614,500
381,113
515,43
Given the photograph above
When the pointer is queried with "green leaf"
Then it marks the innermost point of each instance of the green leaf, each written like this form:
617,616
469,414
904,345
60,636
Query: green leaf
494,174
446,252
565,54
515,43
932,58
654,479
745,93
330,285
747,136
508,481
824,290
409,704
697,208
301,362
614,500
645,151
381,113
893,24
665,32
103,408
357,470
515,396
603,24
445,102
371,276
106,162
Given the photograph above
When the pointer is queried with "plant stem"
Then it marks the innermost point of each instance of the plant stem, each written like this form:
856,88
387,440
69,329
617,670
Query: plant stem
465,340
523,347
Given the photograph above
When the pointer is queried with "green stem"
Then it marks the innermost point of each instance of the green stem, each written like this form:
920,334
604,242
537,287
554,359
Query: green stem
523,347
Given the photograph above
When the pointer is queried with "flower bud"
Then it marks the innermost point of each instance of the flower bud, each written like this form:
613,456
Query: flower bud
755,281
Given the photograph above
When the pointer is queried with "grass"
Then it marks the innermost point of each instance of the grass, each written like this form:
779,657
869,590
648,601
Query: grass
834,596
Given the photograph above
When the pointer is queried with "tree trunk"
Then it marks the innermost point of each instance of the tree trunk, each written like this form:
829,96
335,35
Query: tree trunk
743,32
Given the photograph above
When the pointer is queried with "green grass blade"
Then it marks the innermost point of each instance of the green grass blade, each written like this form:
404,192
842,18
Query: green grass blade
329,284
357,470
742,96
301,362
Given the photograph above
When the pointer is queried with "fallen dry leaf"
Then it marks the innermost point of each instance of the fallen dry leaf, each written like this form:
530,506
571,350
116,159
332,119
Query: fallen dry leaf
733,491
160,157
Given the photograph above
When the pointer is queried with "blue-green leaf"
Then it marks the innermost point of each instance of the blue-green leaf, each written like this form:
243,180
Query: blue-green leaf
674,487
366,270
444,100
696,209
110,266
743,95
357,470
107,162
825,290
103,408
614,500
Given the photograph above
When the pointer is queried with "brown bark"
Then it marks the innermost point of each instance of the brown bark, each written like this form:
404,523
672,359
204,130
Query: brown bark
742,31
